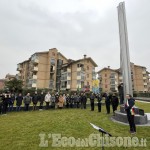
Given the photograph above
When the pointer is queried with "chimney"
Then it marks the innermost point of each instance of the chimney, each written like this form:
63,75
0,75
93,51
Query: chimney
84,56
109,67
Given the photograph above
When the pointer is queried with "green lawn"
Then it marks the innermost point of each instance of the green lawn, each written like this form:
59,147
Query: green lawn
20,130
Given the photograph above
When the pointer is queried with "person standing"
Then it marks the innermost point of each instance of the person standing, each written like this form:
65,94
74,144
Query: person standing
107,102
35,99
1,103
27,101
47,99
56,98
11,102
75,100
41,100
83,101
19,99
61,101
99,99
129,107
71,101
78,100
121,93
64,97
92,98
53,101
6,100
114,102
67,100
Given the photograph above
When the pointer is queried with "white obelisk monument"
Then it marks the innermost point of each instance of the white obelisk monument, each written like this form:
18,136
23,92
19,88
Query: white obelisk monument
124,50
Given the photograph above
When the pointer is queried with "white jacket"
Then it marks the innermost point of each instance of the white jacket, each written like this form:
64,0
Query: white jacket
47,98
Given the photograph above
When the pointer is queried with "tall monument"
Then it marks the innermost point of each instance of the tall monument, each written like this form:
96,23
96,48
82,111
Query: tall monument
124,50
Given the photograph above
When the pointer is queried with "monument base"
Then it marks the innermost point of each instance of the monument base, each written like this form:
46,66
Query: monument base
121,116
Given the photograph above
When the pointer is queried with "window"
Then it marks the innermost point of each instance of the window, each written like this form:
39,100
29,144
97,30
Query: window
87,61
78,73
68,82
52,61
105,75
105,85
87,83
78,82
69,74
87,75
87,67
105,80
53,53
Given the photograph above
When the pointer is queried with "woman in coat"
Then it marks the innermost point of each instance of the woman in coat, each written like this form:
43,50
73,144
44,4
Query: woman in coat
61,101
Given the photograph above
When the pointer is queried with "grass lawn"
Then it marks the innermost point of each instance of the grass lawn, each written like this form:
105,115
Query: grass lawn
20,131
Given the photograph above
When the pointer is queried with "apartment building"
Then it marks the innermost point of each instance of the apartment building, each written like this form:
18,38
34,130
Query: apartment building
111,78
78,74
108,79
52,70
42,69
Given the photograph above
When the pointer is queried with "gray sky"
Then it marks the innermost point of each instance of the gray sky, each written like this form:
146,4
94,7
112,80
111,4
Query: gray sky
74,27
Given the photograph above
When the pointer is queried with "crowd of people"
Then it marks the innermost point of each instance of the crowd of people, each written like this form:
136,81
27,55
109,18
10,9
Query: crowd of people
55,100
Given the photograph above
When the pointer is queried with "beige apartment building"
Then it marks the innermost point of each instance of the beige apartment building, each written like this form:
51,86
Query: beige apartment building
52,70
78,74
111,78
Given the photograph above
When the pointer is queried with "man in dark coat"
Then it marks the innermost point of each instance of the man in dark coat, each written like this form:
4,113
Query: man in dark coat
78,100
92,98
41,100
27,101
121,93
83,101
67,100
71,102
11,102
130,113
99,99
107,102
114,102
75,100
19,99
1,103
35,99
6,99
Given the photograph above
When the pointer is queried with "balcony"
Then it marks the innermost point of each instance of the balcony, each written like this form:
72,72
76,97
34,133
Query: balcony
80,69
34,85
144,78
68,86
145,83
35,69
143,72
68,70
68,78
78,86
35,77
35,61
78,77
19,68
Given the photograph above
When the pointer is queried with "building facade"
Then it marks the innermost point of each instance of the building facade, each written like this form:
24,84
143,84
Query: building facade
54,71
111,78
78,75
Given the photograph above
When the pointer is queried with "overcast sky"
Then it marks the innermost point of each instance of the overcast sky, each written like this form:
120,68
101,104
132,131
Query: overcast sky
75,28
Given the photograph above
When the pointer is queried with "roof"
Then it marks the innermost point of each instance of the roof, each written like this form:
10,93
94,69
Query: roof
62,55
88,58
10,76
106,68
139,66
